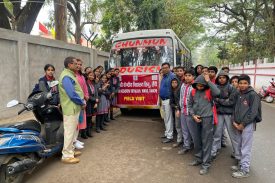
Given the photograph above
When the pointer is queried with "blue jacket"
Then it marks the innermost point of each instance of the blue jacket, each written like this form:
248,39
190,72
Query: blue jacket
165,86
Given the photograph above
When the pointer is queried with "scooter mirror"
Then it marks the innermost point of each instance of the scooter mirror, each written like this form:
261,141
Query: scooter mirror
53,83
12,103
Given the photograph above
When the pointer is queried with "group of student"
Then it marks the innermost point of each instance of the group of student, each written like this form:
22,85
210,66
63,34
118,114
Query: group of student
95,89
201,103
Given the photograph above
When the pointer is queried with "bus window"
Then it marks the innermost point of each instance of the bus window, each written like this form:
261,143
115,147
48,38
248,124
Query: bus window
143,55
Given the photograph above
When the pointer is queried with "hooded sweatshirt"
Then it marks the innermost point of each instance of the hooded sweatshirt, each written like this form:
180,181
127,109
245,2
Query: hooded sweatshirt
175,95
199,104
226,101
246,108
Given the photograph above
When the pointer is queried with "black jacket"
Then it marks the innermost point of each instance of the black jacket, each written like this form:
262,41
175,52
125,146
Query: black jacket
226,101
114,84
90,110
175,96
246,108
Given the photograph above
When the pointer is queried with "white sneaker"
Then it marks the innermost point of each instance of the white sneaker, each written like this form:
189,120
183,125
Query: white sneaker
78,145
81,143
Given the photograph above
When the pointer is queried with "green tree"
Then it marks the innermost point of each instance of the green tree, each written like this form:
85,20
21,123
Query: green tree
19,18
80,15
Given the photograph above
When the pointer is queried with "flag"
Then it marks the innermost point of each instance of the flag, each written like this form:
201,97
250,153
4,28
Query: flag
53,32
43,28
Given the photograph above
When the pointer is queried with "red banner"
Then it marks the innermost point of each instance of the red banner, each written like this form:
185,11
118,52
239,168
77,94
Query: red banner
138,90
141,43
139,69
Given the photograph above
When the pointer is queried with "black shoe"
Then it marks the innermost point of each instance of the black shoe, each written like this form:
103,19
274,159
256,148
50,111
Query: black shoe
105,124
204,171
178,144
97,131
213,157
103,129
163,137
112,116
183,151
84,136
89,134
224,144
167,141
106,118
195,163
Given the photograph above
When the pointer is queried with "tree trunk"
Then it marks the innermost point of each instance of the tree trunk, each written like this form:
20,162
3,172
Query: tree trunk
26,19
4,20
60,15
78,28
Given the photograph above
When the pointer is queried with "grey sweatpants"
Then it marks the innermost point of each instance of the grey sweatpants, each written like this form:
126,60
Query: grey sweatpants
189,129
178,128
245,146
225,120
205,140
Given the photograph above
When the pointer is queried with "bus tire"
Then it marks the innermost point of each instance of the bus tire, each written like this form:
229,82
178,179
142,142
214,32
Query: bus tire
124,110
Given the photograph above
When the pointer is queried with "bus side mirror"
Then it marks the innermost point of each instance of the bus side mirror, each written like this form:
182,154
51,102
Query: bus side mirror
106,65
178,59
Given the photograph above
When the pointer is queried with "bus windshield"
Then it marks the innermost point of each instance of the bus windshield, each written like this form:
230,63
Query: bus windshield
142,52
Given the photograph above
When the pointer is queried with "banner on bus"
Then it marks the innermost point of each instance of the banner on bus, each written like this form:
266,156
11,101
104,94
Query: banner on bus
138,90
139,70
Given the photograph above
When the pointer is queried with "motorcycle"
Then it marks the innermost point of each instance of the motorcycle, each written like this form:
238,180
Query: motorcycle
24,145
268,93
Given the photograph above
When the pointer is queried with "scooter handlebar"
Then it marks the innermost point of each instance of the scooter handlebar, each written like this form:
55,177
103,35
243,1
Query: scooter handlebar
22,110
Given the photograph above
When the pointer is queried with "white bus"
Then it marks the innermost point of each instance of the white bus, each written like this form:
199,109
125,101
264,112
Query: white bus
139,56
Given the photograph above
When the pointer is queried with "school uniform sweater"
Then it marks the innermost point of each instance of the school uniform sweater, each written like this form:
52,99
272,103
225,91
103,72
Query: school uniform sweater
200,104
246,108
185,93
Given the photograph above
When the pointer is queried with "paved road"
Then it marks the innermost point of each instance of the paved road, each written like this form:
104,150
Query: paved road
130,151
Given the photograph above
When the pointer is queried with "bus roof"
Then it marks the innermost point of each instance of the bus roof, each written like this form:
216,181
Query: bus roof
144,33
147,33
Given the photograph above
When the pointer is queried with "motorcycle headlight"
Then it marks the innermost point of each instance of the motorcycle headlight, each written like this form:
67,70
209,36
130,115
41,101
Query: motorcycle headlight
4,140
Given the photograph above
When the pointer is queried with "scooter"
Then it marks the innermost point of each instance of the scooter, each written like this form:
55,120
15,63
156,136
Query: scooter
24,145
268,93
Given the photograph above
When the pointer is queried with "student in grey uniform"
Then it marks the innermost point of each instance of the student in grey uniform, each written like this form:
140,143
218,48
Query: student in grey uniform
188,126
201,109
245,116
225,105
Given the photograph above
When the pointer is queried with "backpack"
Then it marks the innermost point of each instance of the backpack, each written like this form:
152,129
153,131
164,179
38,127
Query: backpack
258,118
209,98
36,88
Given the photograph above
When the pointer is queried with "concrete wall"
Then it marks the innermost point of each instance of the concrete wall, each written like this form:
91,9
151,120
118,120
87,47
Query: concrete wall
23,57
260,73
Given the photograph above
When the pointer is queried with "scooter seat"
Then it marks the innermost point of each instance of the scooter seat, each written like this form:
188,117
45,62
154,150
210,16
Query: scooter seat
24,125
